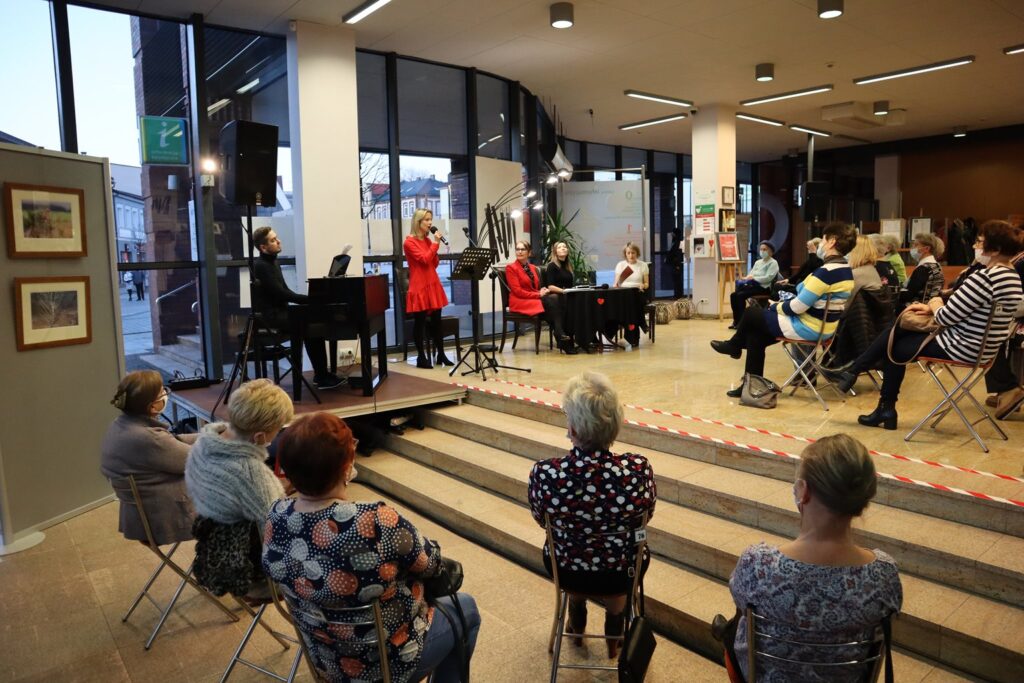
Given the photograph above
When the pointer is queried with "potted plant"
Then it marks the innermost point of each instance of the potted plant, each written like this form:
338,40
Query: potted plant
557,230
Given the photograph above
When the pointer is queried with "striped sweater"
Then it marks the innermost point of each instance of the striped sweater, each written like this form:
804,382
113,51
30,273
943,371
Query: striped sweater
803,316
965,315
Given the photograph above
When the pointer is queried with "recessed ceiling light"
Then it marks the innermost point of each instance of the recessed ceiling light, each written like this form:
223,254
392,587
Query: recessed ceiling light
652,122
764,72
364,10
760,119
657,98
1015,50
786,95
830,9
948,64
811,131
960,132
881,107
561,15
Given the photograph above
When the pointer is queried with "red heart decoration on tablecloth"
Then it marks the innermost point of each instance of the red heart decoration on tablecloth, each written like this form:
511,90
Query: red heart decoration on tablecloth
632,327
600,302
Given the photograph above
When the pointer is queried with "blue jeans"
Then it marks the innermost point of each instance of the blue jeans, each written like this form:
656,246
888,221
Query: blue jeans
439,652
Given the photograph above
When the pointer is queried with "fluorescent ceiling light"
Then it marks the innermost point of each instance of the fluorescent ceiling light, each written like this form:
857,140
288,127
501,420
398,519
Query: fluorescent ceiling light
1015,50
787,95
759,119
217,106
364,10
960,132
656,98
248,86
812,131
652,122
959,61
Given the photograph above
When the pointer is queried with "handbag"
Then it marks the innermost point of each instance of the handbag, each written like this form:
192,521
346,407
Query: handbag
912,321
637,647
759,392
446,583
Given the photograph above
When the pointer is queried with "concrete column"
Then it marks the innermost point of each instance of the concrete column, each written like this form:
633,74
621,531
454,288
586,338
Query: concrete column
714,166
324,127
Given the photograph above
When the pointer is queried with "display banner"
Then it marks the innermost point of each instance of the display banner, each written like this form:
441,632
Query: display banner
610,214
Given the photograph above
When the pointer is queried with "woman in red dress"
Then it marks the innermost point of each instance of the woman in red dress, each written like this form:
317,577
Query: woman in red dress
426,296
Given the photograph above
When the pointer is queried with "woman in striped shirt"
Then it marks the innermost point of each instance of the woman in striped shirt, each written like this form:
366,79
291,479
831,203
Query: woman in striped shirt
962,319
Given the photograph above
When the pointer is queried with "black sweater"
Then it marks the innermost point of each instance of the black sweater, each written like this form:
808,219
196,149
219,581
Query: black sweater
271,295
559,277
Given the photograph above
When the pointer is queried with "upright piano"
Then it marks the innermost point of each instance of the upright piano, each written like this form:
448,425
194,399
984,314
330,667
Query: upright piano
349,307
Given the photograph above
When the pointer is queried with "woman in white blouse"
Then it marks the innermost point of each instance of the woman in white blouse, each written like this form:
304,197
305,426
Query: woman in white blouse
634,273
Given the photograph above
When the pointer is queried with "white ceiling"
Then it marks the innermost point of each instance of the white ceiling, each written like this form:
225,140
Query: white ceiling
699,50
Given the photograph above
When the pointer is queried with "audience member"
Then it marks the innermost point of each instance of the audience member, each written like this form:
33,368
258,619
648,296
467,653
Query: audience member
862,259
558,277
821,585
802,317
888,247
618,488
631,272
758,281
810,264
336,554
962,320
138,444
1003,385
926,281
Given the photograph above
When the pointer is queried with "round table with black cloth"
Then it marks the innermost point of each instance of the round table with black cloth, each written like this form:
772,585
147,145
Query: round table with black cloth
588,311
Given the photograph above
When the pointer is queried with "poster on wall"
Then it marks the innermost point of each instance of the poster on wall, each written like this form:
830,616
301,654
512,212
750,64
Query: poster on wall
45,222
728,247
919,225
704,219
893,226
51,311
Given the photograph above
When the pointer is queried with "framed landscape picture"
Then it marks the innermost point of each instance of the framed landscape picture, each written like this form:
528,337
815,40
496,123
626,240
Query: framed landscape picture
52,311
44,222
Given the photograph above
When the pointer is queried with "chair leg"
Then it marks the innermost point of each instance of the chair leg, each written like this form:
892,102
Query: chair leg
167,611
515,338
563,604
536,336
504,331
145,589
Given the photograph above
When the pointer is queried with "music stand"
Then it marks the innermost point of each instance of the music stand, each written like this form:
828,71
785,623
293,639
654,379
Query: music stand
472,264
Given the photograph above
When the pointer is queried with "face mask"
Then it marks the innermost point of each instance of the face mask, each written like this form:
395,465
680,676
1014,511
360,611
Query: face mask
981,257
915,254
821,252
764,253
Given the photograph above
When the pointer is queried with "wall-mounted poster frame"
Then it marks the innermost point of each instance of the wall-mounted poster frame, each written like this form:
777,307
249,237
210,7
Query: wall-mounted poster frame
727,220
52,311
45,222
728,246
919,225
728,195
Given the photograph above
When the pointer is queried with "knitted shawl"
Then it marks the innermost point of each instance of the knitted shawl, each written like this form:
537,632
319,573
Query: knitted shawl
227,480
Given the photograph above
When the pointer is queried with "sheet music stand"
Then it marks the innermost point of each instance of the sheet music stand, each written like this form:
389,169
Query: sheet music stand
473,263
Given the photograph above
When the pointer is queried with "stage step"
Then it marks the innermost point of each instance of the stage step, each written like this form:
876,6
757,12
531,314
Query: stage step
931,501
681,601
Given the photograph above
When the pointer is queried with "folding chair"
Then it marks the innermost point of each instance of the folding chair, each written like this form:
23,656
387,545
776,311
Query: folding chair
303,615
127,491
633,534
961,389
807,358
764,644
284,640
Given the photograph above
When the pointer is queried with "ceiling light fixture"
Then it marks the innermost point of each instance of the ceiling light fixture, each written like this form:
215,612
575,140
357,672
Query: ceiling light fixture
830,9
760,119
652,122
364,10
562,15
217,106
960,132
248,86
764,72
881,107
1015,50
786,95
948,64
812,131
657,98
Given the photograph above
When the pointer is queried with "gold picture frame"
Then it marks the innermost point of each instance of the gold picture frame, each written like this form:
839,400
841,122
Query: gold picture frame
45,222
52,311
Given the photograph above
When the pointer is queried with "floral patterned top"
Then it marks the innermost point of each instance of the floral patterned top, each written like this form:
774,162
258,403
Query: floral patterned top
344,556
836,603
600,491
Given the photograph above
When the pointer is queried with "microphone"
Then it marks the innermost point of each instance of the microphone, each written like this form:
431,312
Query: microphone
433,231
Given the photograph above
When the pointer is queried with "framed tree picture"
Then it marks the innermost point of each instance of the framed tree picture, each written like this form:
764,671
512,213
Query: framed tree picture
45,222
52,311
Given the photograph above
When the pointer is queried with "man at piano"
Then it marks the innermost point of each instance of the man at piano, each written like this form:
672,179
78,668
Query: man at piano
271,297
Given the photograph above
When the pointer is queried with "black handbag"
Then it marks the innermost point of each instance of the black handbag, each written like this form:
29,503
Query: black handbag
638,647
446,583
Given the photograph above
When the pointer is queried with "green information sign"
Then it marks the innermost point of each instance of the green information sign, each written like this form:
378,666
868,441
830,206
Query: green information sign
164,140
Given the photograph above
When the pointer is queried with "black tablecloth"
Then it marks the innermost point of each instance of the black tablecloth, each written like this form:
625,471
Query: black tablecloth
588,311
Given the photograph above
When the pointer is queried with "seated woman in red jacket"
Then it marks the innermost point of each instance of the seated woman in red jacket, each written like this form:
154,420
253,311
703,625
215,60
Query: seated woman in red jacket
526,294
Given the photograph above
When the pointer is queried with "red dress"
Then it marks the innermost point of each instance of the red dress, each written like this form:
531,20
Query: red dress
523,295
425,290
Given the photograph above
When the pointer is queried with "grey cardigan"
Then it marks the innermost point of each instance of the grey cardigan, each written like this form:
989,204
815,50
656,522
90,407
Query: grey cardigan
142,446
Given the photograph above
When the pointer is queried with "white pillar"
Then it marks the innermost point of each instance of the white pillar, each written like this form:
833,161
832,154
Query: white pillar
324,124
714,167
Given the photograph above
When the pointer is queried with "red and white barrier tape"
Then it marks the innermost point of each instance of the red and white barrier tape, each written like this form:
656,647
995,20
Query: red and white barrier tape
792,437
746,446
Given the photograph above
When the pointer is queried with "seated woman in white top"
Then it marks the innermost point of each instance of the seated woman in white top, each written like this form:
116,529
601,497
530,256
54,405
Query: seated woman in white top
632,272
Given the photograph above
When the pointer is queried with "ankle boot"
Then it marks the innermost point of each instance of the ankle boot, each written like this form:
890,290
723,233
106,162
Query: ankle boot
884,414
442,359
614,625
566,346
577,619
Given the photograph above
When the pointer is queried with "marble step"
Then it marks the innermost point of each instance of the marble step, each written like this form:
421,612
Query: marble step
681,601
934,502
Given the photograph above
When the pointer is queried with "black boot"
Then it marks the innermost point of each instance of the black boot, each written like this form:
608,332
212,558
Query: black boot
884,414
442,359
577,619
565,345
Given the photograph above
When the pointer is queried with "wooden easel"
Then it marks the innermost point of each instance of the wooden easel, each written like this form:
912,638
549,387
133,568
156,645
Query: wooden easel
728,272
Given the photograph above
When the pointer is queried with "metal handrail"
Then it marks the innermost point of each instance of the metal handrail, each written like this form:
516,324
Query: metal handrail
176,290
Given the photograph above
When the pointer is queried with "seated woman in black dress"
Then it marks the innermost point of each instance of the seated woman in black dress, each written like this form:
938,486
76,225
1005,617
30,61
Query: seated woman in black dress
558,277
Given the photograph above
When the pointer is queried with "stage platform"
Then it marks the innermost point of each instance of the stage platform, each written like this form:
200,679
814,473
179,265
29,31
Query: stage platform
397,392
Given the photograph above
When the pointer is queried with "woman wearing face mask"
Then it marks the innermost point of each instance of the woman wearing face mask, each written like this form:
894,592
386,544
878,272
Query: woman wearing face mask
758,281
926,280
962,319
794,585
138,444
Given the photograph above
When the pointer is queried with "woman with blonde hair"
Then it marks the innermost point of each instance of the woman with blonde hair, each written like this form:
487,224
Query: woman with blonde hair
425,297
862,259
821,584
558,277
892,255
631,272
138,444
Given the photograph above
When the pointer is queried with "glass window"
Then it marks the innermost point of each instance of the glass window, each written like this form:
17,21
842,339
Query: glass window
492,117
26,69
634,158
375,190
372,93
746,198
431,108
572,151
600,156
664,162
